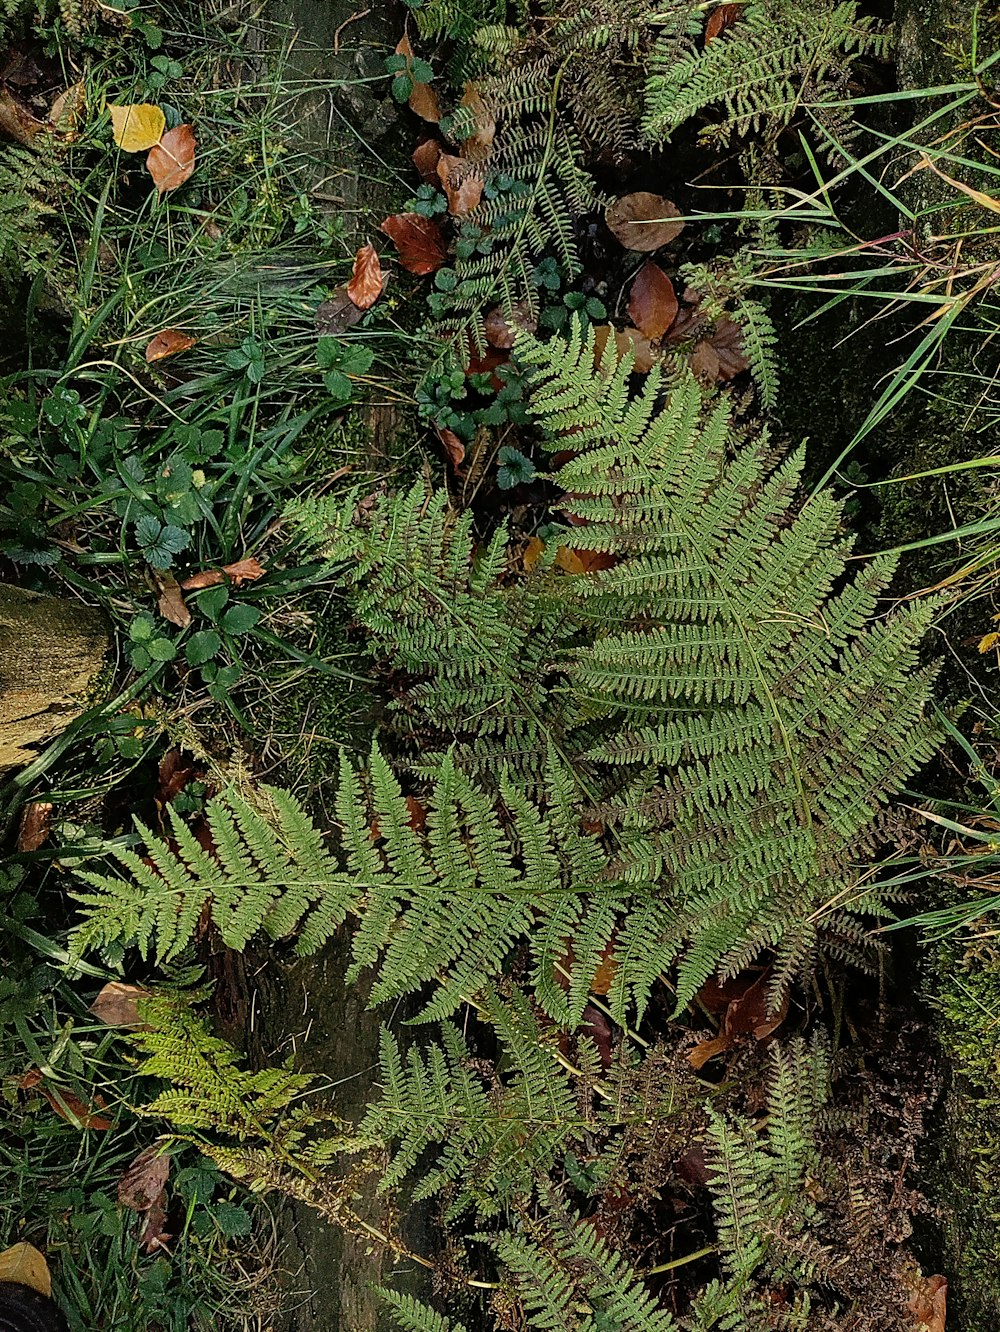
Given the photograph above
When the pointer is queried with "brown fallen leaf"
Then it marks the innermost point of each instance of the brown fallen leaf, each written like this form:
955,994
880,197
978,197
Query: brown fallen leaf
336,314
117,1005
171,161
143,1188
479,145
643,221
501,329
367,280
424,100
425,158
168,343
68,108
34,830
746,1004
929,1304
581,562
720,358
144,1180
453,446
462,183
481,363
169,599
418,240
16,120
598,1028
417,820
241,571
652,303
532,553
23,1264
626,340
722,17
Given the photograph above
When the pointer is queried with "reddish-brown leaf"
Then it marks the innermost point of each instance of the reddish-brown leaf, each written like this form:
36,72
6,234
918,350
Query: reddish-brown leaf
486,362
34,829
704,362
117,1005
174,772
241,571
652,303
453,446
929,1304
168,343
426,156
720,358
724,16
643,221
367,280
16,120
479,145
598,1028
462,183
418,240
171,161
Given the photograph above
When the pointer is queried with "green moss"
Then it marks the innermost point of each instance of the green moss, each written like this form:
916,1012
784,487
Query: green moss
966,1182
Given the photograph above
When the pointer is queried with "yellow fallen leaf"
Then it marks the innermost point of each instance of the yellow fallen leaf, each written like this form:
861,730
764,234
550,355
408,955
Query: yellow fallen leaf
137,128
988,641
25,1265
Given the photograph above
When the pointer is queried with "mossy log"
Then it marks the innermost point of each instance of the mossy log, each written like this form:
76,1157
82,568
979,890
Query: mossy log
50,651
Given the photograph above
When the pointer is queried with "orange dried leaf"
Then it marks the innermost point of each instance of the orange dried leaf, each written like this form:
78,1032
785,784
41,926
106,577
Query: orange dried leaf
643,221
625,340
418,240
367,280
68,1106
425,103
479,145
34,829
584,561
724,16
461,182
168,343
652,302
532,553
171,161
241,571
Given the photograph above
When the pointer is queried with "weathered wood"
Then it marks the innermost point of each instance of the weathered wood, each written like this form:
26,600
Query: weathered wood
50,650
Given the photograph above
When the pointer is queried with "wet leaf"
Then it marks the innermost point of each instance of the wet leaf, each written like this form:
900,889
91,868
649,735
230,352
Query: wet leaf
16,120
367,280
171,162
241,571
453,446
461,182
336,314
479,145
34,830
722,17
598,1028
168,343
170,600
23,1264
418,240
643,221
425,158
652,304
137,127
117,1005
